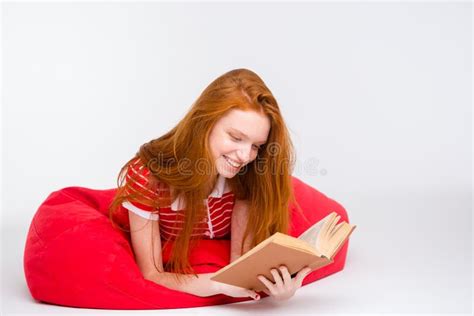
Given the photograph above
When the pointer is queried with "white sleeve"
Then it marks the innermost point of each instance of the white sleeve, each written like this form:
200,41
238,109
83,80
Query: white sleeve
145,214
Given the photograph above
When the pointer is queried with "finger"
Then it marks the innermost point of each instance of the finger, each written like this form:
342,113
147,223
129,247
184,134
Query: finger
286,275
253,294
277,278
301,275
267,292
270,286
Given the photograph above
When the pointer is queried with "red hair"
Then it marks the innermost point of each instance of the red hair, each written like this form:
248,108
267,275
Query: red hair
265,182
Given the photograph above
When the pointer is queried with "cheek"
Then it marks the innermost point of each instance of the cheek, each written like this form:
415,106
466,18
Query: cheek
220,147
225,147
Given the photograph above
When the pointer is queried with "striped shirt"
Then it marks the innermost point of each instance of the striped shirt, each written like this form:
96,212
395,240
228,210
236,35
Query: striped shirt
219,205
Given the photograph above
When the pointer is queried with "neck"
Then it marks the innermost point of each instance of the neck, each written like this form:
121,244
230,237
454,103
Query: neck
211,184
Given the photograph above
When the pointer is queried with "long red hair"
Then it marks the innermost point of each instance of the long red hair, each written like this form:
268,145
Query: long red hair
265,182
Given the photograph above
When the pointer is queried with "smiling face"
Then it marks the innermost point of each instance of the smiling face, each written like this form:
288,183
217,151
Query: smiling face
235,139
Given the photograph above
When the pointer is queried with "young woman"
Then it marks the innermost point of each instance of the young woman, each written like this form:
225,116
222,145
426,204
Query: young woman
223,172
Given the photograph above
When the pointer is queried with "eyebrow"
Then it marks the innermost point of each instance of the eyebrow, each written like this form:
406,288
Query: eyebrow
245,135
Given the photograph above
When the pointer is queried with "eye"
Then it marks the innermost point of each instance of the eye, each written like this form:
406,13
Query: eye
235,138
239,139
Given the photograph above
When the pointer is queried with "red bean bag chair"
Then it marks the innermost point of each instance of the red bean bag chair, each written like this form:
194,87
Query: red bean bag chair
75,257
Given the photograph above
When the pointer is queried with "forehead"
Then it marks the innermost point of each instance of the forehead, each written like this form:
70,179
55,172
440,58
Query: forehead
252,123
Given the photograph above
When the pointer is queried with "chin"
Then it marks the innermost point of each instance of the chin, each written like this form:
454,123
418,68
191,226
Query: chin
227,172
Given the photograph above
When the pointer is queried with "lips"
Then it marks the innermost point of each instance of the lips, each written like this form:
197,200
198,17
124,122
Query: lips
232,162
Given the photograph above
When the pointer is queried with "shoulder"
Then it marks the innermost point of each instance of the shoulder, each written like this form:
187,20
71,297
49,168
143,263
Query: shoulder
137,170
139,177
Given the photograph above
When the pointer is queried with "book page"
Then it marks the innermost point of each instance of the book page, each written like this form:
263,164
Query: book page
312,233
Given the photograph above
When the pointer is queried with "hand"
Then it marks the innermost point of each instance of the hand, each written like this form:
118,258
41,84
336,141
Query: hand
234,291
285,288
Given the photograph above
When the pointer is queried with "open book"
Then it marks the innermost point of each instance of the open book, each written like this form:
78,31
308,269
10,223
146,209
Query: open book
316,248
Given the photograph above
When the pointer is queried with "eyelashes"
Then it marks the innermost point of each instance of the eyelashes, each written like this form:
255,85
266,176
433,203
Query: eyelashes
239,139
235,138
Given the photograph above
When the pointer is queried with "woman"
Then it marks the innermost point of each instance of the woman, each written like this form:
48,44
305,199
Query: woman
227,161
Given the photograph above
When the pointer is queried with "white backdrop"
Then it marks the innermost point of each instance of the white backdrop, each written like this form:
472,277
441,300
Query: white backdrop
377,97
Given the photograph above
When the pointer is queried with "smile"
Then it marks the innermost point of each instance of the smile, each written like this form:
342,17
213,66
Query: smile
232,163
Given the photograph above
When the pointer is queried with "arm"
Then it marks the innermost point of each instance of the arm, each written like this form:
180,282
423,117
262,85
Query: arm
140,233
239,222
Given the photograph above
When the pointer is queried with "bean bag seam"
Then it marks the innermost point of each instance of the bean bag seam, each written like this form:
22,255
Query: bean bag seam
74,226
76,198
81,223
111,262
109,284
132,297
38,235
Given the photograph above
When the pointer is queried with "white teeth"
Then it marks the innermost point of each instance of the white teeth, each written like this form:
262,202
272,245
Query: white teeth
232,163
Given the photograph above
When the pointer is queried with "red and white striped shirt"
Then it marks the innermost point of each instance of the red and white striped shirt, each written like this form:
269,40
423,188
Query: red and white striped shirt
219,204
